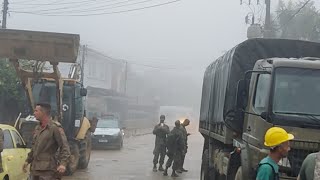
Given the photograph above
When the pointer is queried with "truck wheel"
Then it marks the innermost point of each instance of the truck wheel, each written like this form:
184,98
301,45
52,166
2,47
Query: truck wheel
206,172
74,159
85,151
238,174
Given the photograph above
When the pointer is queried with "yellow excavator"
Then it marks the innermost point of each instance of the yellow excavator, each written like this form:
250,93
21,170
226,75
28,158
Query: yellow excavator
43,83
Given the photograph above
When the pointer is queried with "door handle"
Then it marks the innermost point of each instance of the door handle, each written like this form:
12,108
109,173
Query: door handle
10,158
249,129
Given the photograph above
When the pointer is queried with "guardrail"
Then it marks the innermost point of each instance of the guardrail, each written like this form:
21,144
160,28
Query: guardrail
137,132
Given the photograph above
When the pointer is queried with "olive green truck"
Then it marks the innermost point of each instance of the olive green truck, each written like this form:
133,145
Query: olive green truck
259,84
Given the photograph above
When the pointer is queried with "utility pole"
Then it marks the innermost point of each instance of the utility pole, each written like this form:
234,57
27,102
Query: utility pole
125,77
4,14
267,26
84,50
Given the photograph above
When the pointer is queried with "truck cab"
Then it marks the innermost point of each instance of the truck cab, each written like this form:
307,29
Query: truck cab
285,93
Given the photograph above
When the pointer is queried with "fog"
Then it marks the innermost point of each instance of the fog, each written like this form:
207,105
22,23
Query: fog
167,47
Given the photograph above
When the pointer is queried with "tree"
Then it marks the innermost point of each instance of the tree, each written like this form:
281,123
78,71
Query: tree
298,21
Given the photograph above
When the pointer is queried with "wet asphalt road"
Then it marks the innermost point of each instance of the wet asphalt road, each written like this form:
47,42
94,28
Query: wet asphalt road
134,161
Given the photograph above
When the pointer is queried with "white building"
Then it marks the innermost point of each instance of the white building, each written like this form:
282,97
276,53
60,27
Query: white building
100,71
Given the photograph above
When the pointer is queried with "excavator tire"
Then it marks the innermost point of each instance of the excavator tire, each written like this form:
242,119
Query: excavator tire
85,151
74,159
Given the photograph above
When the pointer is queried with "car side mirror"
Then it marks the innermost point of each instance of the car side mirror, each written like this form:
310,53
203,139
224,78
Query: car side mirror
264,115
241,97
83,92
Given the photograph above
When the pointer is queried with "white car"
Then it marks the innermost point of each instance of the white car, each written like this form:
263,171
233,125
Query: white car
108,133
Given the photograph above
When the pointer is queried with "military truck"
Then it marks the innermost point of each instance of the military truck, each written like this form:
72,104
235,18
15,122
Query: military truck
259,84
43,83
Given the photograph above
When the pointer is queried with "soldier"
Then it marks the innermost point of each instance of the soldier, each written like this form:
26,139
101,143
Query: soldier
310,169
277,139
160,130
47,162
176,147
183,126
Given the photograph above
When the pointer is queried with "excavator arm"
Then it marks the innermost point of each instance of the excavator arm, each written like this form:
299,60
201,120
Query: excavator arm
37,46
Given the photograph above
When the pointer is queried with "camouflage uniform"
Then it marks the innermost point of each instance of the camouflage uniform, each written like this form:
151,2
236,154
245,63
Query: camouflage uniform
160,143
49,150
1,149
175,149
185,137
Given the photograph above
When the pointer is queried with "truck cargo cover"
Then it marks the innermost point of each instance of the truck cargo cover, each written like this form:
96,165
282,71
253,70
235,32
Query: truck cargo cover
221,77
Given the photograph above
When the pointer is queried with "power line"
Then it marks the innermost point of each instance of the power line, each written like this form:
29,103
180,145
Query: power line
294,15
71,6
100,8
47,4
298,11
23,1
97,14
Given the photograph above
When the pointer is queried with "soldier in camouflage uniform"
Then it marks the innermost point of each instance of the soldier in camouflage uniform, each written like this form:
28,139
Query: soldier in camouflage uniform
310,169
183,126
160,130
176,147
50,150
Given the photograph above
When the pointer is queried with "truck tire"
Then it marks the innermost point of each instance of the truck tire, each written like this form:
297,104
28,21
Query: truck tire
204,165
74,159
85,151
209,173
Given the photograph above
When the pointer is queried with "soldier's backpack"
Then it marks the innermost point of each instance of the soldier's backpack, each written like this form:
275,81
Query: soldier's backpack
171,141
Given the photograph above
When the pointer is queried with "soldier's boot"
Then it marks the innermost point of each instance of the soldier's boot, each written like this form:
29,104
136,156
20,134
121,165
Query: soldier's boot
161,168
179,171
165,173
184,170
155,168
174,174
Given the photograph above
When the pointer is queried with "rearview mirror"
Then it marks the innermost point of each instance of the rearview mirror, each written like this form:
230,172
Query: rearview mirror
241,97
83,92
265,116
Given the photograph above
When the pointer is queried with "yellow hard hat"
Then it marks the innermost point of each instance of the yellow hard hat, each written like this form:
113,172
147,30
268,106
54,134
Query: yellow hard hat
275,136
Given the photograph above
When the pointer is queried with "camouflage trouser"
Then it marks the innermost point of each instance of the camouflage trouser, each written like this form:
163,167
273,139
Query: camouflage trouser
44,178
1,168
176,159
183,157
45,175
159,151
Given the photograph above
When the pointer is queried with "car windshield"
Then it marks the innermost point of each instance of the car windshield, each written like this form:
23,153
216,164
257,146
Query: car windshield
103,123
297,91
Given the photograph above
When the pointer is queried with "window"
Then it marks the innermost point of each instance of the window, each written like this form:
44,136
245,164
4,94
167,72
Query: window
18,140
296,90
8,143
92,69
262,93
78,102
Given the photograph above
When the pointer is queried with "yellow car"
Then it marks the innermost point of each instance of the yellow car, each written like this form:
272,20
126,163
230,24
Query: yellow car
13,155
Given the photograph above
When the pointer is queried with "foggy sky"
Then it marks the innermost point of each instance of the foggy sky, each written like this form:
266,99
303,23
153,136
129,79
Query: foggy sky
189,33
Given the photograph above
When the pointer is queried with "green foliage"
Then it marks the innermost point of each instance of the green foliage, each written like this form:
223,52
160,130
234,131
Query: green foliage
295,22
9,83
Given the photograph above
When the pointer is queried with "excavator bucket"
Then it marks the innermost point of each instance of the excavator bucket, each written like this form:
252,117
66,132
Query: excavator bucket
39,46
